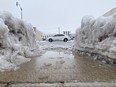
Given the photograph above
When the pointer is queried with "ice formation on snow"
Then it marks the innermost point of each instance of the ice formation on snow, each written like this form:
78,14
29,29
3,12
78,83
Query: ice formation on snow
97,36
17,42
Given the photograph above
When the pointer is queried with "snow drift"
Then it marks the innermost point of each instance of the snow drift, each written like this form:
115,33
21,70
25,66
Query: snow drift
17,42
97,36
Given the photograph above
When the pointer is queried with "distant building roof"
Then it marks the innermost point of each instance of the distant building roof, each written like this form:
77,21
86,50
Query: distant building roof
111,12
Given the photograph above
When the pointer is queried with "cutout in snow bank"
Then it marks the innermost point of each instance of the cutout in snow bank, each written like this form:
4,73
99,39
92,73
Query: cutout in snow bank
97,36
17,42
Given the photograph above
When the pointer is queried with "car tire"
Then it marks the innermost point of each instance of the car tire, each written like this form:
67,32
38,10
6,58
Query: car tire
50,40
65,39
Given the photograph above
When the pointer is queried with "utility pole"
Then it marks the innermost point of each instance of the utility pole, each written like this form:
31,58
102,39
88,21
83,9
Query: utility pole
17,4
59,30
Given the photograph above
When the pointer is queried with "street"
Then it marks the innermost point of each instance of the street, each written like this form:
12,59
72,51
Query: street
57,64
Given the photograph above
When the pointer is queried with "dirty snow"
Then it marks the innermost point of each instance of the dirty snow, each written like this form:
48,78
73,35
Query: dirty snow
58,66
17,42
97,36
58,46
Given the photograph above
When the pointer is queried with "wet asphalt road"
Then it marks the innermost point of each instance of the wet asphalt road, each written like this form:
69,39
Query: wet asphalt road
58,64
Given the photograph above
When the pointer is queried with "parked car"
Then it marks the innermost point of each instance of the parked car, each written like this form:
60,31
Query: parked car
59,37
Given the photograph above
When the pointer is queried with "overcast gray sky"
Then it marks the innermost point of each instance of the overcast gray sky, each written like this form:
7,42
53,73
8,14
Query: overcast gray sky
48,15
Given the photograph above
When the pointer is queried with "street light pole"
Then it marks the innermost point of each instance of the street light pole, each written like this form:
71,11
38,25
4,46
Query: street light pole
17,4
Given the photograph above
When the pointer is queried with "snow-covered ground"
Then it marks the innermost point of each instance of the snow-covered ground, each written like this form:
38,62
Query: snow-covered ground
17,42
45,45
59,46
57,64
97,36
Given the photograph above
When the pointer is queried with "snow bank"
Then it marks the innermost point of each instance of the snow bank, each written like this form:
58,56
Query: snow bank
17,42
97,36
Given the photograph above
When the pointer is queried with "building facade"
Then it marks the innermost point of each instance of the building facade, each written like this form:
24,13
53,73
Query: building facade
67,33
38,34
111,12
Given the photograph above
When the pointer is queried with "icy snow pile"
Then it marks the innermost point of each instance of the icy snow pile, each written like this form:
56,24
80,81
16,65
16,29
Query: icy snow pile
17,42
97,36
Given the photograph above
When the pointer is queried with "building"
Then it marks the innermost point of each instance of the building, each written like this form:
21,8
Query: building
111,12
38,34
67,33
